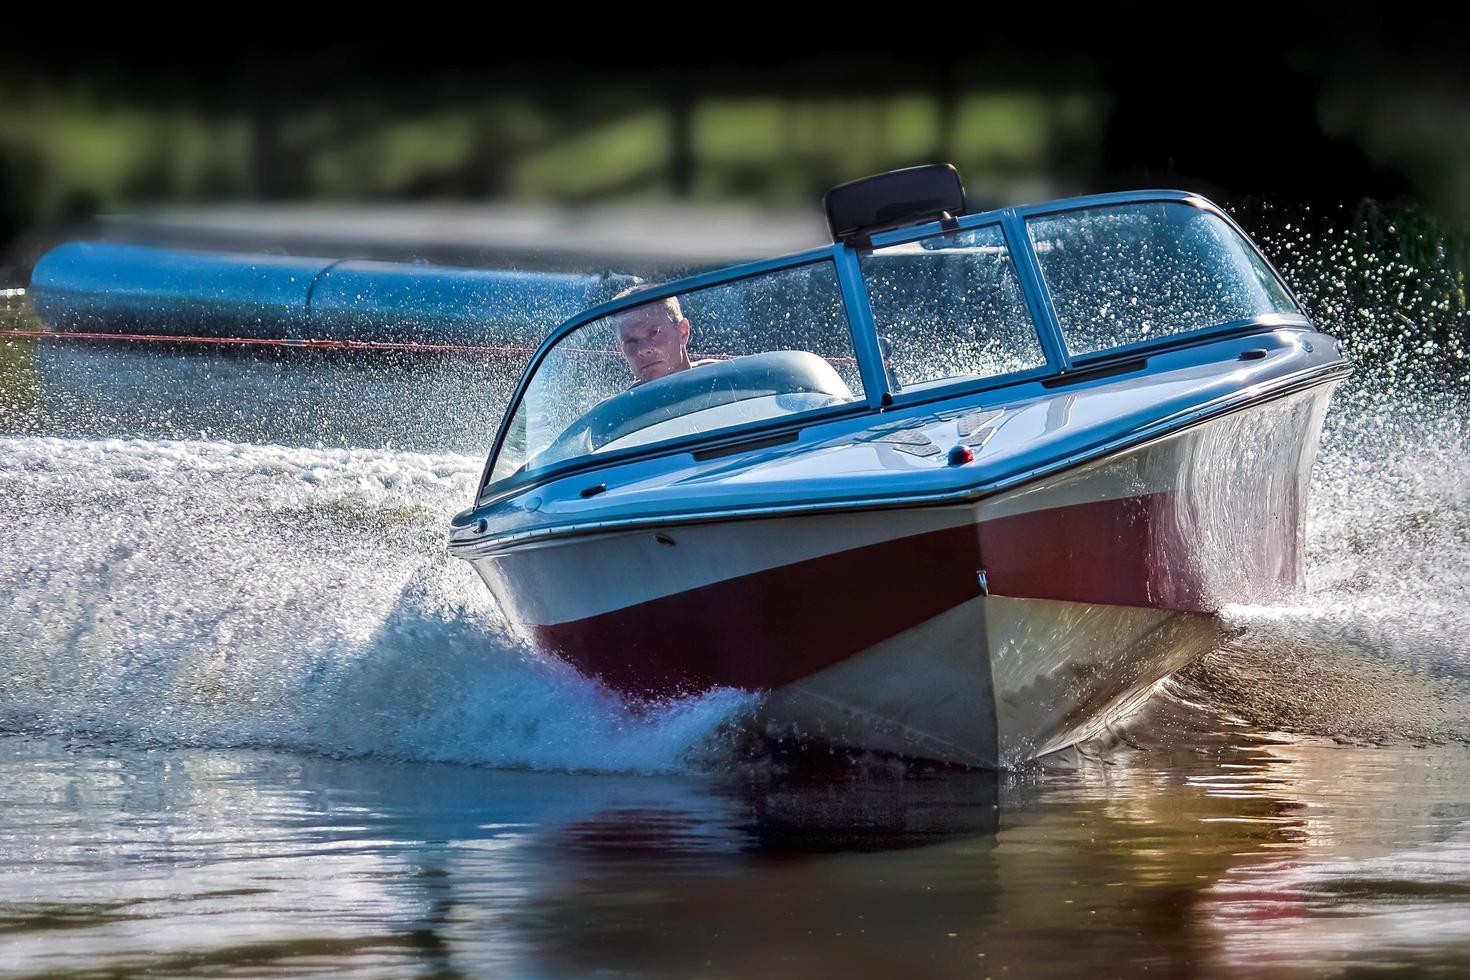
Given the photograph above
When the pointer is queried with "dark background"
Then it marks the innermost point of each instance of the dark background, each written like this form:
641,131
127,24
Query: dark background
1290,106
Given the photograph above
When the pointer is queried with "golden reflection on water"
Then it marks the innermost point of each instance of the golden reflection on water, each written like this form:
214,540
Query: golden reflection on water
1192,847
1378,870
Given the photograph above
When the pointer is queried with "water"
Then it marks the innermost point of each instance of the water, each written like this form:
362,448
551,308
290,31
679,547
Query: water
258,722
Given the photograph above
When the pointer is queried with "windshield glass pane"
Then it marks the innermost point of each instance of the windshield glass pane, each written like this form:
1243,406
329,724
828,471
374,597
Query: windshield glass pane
1130,273
753,350
950,307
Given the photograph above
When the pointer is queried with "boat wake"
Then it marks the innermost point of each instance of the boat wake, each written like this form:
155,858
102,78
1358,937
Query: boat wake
1376,650
224,594
227,594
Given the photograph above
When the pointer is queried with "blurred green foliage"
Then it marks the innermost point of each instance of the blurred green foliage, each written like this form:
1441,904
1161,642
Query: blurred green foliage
66,151
1389,280
69,150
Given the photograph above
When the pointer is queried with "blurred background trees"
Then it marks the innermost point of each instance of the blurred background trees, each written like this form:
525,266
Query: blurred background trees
1311,105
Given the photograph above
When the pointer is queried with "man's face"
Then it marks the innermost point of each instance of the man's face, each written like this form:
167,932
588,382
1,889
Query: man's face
652,343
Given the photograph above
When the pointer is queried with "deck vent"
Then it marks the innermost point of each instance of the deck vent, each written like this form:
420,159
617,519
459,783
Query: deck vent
747,445
1094,373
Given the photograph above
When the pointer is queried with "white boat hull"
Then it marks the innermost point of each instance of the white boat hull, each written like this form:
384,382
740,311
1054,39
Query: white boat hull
983,633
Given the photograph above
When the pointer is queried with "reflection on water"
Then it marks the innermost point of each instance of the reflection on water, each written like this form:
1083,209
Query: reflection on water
1199,848
1373,865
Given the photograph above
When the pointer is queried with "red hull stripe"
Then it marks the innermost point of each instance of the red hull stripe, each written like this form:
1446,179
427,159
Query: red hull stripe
1123,552
772,627
766,629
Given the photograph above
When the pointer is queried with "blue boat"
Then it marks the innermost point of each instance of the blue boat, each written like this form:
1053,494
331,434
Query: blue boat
963,487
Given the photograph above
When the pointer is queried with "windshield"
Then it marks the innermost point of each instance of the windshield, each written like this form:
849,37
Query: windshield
946,309
1125,274
950,307
751,350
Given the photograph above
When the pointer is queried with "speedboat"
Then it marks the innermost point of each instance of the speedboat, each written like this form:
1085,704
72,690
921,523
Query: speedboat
959,486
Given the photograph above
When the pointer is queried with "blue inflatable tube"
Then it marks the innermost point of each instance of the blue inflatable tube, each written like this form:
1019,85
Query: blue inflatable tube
101,287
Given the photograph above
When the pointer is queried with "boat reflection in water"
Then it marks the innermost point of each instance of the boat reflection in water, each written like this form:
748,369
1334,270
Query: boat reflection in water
1200,848
961,488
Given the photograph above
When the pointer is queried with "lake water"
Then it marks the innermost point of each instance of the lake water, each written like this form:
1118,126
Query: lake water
256,721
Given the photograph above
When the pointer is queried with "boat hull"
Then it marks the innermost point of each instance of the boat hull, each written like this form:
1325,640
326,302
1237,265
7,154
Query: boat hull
985,633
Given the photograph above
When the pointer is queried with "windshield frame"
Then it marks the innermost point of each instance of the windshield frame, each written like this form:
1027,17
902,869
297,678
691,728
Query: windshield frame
878,390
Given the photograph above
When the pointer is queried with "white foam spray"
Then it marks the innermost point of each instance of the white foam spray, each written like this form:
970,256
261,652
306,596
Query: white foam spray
1376,647
226,594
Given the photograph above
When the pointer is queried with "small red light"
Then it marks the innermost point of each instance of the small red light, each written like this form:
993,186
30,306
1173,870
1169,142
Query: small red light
960,455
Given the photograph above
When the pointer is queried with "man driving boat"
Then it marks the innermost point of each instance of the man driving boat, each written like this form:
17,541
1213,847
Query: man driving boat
654,339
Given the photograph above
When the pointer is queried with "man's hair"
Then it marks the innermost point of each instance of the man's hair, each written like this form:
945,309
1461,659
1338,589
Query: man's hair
671,303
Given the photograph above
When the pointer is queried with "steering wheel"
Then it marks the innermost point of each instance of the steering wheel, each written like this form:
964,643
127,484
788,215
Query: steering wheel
695,390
